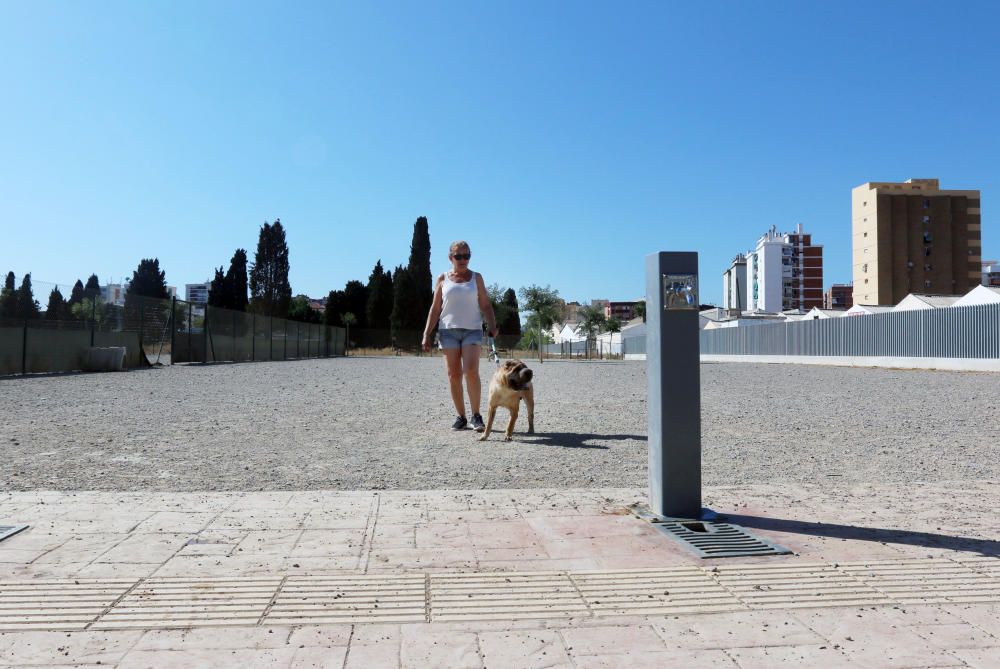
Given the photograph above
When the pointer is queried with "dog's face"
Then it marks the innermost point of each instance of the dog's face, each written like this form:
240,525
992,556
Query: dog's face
514,374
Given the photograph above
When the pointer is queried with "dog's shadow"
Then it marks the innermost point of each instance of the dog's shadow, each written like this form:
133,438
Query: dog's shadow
574,439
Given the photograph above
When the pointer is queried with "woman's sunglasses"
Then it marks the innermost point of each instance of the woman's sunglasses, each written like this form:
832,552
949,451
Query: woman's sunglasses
461,256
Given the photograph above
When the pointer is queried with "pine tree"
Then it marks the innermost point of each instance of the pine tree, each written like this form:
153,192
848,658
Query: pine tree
147,280
270,291
77,295
93,287
379,307
27,307
57,308
419,268
236,281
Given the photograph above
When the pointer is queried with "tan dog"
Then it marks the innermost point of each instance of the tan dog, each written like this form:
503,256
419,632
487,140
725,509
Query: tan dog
511,384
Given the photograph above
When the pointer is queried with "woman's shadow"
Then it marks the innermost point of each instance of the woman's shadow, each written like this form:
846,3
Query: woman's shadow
575,439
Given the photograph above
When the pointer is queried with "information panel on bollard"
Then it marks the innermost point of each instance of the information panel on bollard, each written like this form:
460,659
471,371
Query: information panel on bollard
674,384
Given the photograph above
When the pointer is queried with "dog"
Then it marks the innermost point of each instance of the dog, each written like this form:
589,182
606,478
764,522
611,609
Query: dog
510,384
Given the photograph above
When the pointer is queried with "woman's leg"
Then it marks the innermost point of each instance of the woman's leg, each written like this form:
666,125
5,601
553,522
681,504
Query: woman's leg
453,363
470,366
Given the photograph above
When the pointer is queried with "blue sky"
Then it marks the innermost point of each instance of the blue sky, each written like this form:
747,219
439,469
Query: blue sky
564,141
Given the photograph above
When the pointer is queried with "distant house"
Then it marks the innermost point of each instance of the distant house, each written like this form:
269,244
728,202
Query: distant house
979,295
819,314
868,309
918,302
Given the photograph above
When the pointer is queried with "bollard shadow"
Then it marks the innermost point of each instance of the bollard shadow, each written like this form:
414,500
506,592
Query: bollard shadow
574,439
985,547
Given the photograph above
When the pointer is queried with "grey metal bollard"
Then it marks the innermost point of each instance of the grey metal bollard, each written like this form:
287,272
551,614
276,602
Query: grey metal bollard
674,384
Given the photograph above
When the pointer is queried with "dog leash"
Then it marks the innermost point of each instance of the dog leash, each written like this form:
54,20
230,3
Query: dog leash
493,355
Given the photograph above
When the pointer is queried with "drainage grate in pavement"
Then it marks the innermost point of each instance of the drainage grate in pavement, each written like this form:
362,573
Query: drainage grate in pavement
10,530
717,540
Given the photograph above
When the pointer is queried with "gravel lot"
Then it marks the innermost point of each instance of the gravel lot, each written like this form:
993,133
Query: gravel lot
378,423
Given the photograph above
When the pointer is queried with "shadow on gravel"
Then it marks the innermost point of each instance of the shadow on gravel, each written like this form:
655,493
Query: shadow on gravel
986,547
575,439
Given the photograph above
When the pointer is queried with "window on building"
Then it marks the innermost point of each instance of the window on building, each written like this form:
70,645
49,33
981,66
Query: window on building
927,203
928,267
864,268
927,251
927,283
866,234
926,220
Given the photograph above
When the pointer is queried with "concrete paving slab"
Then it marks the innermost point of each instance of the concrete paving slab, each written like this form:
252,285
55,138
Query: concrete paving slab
897,576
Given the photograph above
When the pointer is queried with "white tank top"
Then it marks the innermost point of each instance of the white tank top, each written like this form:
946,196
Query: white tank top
460,304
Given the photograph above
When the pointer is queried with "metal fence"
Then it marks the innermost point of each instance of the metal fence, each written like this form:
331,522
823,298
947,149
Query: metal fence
954,332
156,331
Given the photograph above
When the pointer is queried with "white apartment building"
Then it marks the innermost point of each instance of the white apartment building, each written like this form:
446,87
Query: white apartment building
734,284
197,293
114,293
784,271
991,273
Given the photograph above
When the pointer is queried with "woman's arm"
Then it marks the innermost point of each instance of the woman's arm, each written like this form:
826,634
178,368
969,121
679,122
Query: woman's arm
486,307
433,314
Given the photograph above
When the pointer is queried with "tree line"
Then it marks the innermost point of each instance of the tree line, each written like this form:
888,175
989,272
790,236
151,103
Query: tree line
396,300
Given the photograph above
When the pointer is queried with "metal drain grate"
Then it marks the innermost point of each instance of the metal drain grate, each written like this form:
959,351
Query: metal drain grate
717,540
10,530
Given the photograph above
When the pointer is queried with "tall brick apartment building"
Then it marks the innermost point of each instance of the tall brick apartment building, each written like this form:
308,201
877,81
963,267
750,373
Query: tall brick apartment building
913,237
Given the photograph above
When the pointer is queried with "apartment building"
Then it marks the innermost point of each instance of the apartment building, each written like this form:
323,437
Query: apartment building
734,284
197,293
785,272
991,273
913,237
840,296
623,311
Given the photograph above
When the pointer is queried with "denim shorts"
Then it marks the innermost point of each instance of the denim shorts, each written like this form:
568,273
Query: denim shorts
455,338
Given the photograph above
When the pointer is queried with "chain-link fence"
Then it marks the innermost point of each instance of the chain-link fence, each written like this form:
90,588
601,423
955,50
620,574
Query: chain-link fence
154,331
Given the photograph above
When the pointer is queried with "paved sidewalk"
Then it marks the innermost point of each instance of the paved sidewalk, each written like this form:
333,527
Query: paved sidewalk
896,576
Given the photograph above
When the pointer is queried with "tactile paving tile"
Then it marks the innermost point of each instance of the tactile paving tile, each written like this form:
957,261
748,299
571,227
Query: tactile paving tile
653,592
504,596
63,604
350,598
176,602
784,586
928,581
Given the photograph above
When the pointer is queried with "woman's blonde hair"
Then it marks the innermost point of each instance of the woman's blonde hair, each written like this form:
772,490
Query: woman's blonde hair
460,244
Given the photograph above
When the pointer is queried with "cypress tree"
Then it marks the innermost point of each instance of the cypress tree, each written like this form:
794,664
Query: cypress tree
93,288
236,281
218,291
57,308
511,324
271,294
402,302
419,269
336,304
27,306
379,307
8,297
147,280
77,294
357,302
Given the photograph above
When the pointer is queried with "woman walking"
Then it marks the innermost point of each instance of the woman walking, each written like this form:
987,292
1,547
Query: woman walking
459,307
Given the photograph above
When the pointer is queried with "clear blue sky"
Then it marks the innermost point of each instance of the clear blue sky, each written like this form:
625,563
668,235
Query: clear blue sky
564,140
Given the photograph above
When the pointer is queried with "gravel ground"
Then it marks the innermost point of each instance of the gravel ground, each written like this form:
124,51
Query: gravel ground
380,423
